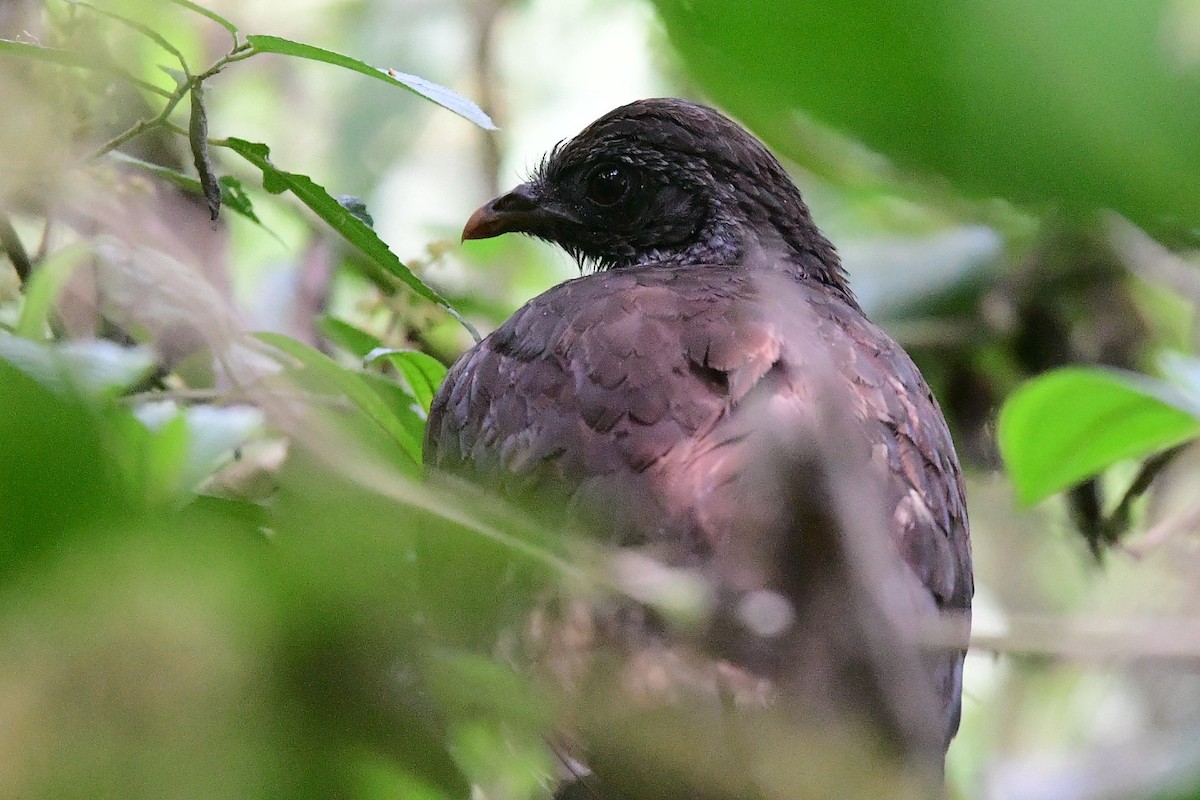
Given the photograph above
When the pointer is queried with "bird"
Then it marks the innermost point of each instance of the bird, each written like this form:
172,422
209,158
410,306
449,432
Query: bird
657,393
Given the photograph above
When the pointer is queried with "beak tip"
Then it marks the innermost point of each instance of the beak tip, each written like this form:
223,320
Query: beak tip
478,226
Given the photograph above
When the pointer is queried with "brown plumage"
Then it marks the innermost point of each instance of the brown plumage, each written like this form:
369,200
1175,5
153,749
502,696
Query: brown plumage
638,393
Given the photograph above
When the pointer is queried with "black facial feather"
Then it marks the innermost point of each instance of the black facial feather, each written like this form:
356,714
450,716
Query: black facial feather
697,189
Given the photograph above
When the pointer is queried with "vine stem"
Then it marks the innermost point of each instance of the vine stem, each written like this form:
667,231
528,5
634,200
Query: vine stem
239,53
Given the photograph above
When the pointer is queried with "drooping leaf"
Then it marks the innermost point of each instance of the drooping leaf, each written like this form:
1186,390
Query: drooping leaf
53,55
353,387
1072,423
233,195
352,229
399,401
446,98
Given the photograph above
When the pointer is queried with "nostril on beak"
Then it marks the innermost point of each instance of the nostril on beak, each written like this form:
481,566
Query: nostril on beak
522,198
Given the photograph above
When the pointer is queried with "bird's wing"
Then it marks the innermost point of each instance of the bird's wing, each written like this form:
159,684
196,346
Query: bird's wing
905,427
591,383
623,384
635,394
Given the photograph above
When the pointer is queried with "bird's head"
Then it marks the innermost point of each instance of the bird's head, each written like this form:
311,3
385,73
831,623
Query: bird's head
670,181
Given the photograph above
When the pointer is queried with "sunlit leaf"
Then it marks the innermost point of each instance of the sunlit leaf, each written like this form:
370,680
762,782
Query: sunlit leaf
1072,423
446,98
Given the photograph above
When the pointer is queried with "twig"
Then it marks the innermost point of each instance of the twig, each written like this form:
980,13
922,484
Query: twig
486,13
1169,528
209,395
1084,639
1118,520
14,249
239,53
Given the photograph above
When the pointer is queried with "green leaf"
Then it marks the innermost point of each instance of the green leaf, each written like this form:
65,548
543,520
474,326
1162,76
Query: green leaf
483,685
164,453
446,98
399,401
973,90
71,58
58,469
53,55
233,195
44,287
423,373
95,367
353,387
343,334
1072,423
352,229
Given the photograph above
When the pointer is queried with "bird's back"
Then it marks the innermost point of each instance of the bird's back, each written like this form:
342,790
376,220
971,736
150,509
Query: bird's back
641,397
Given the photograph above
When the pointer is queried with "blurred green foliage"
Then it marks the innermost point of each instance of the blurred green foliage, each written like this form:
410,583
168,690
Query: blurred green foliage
1069,104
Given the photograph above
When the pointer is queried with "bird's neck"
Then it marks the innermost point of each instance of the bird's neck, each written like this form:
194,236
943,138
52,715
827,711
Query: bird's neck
799,251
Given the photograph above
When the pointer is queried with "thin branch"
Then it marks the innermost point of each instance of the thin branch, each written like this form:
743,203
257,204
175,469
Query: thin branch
1080,639
161,120
44,244
1118,521
1177,525
14,249
486,13
227,395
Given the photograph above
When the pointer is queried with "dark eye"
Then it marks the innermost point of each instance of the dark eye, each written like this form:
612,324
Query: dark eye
607,185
